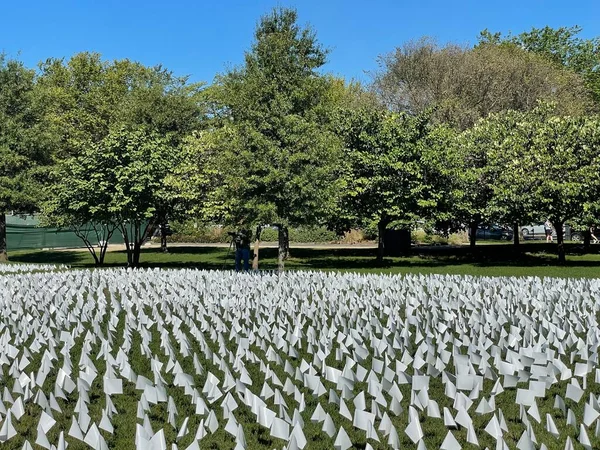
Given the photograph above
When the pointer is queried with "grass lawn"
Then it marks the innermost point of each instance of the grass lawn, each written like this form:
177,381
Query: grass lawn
148,321
148,318
534,259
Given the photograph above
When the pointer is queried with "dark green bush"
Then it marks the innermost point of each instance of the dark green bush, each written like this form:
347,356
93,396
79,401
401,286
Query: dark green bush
191,232
303,235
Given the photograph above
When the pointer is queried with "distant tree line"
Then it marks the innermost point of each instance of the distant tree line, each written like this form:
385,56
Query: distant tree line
456,136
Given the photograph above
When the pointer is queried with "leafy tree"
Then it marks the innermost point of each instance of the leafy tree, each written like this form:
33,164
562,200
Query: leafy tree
562,46
533,164
276,151
86,99
465,84
394,172
121,182
24,144
494,181
564,167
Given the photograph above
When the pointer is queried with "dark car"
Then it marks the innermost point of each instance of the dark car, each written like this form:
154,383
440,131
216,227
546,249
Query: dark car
494,232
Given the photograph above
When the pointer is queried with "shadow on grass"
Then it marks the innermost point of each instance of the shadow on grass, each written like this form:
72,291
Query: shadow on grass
71,258
359,258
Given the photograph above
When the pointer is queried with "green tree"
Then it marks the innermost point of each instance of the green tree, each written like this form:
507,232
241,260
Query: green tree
535,165
86,99
564,167
395,171
120,183
276,151
495,183
24,144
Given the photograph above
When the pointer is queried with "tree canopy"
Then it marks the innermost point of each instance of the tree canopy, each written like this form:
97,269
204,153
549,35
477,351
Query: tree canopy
465,84
24,144
277,152
451,135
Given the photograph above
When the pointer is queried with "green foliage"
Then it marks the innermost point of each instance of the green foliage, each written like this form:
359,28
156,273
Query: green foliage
119,181
521,166
85,97
395,166
306,234
191,231
276,156
562,46
24,143
493,182
465,84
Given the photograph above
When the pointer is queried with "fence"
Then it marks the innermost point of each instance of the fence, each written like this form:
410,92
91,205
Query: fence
24,232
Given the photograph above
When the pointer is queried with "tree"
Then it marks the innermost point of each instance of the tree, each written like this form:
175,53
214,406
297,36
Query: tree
120,183
24,144
494,181
564,167
465,84
87,98
537,164
562,46
276,152
394,171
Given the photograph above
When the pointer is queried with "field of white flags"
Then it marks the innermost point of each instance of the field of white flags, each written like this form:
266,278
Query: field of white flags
21,268
189,359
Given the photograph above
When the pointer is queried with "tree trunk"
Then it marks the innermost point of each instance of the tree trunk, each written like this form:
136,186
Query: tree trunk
286,239
381,227
127,242
163,238
560,240
3,245
137,248
256,248
103,248
472,234
516,236
281,252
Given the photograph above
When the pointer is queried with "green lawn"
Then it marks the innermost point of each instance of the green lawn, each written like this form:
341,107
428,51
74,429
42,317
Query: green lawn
534,259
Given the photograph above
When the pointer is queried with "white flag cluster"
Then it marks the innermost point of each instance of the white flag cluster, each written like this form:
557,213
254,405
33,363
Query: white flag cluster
24,268
169,359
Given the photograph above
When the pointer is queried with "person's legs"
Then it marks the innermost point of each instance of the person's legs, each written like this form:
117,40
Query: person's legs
246,258
238,260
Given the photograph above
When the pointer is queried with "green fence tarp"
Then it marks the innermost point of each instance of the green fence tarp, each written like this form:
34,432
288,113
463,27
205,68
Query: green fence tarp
24,232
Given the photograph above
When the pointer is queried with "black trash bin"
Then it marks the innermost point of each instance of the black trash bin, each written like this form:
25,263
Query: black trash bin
397,242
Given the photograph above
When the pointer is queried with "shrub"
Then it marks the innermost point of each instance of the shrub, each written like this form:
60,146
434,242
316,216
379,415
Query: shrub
462,237
353,237
302,234
421,237
192,232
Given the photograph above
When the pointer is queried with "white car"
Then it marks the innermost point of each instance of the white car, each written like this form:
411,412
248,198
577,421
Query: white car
536,231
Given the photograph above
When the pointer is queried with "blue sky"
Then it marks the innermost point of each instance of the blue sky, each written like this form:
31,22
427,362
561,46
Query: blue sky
201,38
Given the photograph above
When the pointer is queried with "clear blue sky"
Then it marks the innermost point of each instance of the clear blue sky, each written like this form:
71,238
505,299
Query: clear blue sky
201,38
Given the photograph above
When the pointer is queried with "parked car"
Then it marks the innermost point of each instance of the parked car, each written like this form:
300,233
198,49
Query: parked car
537,231
494,232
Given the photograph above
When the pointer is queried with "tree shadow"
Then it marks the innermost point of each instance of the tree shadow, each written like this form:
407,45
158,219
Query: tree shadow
358,258
66,257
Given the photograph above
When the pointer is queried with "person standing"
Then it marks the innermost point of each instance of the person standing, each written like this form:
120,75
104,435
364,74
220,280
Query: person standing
241,239
548,230
592,234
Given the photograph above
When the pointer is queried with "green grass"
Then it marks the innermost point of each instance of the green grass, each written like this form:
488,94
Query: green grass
534,259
